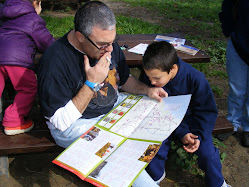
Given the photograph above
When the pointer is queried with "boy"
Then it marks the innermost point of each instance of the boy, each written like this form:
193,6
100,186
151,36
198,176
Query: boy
164,69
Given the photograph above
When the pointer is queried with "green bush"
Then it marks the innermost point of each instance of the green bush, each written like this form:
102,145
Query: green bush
188,161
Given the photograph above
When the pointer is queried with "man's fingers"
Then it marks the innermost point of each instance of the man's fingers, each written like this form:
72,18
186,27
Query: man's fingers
86,62
103,61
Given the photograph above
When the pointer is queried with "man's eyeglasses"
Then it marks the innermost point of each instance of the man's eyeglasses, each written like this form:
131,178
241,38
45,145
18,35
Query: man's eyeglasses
102,47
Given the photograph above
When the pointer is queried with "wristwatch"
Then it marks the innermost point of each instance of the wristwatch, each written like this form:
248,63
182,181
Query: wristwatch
95,86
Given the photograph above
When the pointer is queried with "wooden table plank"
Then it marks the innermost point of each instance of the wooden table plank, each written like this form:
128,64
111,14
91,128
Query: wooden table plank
135,60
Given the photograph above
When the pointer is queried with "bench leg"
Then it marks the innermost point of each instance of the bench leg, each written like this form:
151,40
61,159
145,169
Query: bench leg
4,165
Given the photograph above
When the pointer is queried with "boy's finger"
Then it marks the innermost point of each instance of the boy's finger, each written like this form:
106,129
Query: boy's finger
194,136
163,93
158,98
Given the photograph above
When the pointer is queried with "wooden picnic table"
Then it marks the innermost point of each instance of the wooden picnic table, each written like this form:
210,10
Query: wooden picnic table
132,59
135,60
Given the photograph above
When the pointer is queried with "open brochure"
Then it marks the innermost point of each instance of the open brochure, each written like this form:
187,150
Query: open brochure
187,49
139,49
174,41
117,149
178,43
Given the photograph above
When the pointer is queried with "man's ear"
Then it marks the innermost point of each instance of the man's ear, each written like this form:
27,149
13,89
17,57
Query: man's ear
80,36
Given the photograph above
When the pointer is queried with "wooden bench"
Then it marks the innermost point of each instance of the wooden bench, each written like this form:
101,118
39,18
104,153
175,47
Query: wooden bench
39,138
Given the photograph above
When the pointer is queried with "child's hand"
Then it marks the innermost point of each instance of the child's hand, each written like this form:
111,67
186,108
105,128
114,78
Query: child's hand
157,93
192,143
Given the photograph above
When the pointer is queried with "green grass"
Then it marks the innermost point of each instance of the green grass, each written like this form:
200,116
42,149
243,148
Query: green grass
200,14
125,25
216,90
59,26
202,10
128,25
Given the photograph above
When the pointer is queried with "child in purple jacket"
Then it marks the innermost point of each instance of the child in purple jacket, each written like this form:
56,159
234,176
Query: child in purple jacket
22,33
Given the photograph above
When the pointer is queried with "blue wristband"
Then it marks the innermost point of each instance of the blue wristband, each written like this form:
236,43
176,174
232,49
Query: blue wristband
90,84
94,86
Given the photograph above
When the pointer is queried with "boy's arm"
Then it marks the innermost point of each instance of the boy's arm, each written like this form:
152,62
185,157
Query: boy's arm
182,130
202,112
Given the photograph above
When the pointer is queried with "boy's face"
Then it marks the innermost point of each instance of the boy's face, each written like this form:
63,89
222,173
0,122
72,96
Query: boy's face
161,78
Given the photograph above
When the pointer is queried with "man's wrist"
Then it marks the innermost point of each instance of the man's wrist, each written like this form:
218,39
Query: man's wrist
94,86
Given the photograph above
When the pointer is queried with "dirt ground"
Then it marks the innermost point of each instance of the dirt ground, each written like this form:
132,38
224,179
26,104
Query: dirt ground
37,169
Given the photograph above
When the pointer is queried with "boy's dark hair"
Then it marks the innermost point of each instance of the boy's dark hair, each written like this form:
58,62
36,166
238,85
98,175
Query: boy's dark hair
160,55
